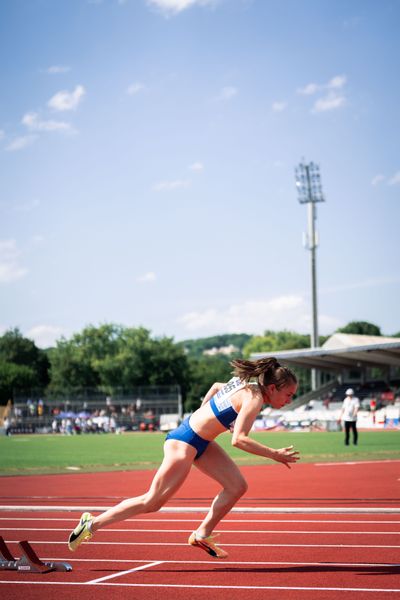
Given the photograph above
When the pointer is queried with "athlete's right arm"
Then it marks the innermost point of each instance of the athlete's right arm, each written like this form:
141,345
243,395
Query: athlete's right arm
212,391
251,406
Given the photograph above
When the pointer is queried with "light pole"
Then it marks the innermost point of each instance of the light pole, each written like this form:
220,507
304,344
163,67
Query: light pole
308,183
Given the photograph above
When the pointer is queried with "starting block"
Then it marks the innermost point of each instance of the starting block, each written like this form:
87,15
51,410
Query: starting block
29,561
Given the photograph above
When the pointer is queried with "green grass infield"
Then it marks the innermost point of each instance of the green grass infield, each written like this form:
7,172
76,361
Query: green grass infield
41,454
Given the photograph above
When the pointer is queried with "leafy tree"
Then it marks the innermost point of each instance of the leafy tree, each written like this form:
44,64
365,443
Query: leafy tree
112,357
23,365
198,346
13,378
361,328
273,341
205,371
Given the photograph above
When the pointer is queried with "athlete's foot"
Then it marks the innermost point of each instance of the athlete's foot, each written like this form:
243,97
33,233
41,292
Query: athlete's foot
208,545
81,533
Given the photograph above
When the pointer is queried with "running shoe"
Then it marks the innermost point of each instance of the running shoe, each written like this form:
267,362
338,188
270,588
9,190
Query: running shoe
81,532
208,545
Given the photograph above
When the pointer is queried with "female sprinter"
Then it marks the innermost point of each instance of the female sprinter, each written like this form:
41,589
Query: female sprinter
233,405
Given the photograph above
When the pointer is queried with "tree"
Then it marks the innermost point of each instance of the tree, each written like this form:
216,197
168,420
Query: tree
197,347
23,366
113,357
273,341
360,328
205,371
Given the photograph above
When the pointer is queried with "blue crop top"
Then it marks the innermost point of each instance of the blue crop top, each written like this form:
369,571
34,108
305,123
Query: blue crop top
221,403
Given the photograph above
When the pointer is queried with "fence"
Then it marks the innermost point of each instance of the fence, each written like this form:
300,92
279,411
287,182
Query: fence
137,409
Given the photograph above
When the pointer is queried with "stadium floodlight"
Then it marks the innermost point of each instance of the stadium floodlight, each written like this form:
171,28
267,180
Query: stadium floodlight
309,189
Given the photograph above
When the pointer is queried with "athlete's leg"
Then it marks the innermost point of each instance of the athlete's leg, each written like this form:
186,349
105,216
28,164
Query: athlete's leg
178,459
216,463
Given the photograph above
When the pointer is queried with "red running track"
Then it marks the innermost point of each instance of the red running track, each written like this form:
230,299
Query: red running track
273,556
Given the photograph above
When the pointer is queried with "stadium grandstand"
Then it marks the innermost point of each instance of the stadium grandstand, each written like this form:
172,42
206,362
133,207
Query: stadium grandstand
370,365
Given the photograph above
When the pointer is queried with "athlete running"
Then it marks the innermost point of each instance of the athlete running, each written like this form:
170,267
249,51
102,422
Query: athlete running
233,405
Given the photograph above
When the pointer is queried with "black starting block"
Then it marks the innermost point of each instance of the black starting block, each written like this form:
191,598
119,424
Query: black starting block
29,561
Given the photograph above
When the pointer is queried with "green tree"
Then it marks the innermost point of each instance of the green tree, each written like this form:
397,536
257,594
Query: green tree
273,341
205,371
23,366
198,346
361,328
112,357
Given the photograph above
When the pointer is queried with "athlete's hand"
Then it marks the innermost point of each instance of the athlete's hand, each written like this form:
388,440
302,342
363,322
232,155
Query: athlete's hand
286,456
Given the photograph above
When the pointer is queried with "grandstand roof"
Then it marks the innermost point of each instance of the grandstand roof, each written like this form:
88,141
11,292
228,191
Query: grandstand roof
343,351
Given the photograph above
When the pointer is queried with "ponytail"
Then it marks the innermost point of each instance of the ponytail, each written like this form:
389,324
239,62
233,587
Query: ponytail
266,370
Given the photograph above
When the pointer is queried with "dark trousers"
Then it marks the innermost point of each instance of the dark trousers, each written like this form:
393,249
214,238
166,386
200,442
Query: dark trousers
353,426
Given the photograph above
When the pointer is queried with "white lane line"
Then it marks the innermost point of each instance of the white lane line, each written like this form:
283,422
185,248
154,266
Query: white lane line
212,587
355,462
230,562
225,521
95,543
141,568
245,531
205,509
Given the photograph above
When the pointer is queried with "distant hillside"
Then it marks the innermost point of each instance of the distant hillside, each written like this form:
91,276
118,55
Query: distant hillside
221,343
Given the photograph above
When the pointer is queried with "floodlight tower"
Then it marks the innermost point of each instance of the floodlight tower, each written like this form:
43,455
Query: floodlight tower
309,187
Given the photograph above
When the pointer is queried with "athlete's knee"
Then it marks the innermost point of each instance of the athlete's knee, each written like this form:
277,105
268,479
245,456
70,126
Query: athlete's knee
238,488
152,503
242,487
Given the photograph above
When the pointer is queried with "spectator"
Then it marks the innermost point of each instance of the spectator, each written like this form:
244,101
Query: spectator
7,426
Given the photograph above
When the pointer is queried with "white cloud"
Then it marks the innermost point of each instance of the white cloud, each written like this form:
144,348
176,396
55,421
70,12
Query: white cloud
64,100
167,186
149,277
334,97
135,88
45,336
228,92
255,316
309,90
172,7
330,102
337,82
57,69
19,143
279,106
377,179
395,180
2,134
10,269
197,166
33,122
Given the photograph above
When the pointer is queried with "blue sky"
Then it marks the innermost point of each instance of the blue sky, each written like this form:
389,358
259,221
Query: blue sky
147,155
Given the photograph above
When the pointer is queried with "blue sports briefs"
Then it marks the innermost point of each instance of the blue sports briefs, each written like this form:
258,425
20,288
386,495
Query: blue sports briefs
185,433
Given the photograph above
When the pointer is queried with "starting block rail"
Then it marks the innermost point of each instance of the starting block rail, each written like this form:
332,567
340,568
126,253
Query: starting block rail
29,561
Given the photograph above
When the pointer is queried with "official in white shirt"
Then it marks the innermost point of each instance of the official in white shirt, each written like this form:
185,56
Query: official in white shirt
350,407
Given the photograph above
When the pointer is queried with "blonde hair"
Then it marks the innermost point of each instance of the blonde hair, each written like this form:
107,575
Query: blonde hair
266,370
